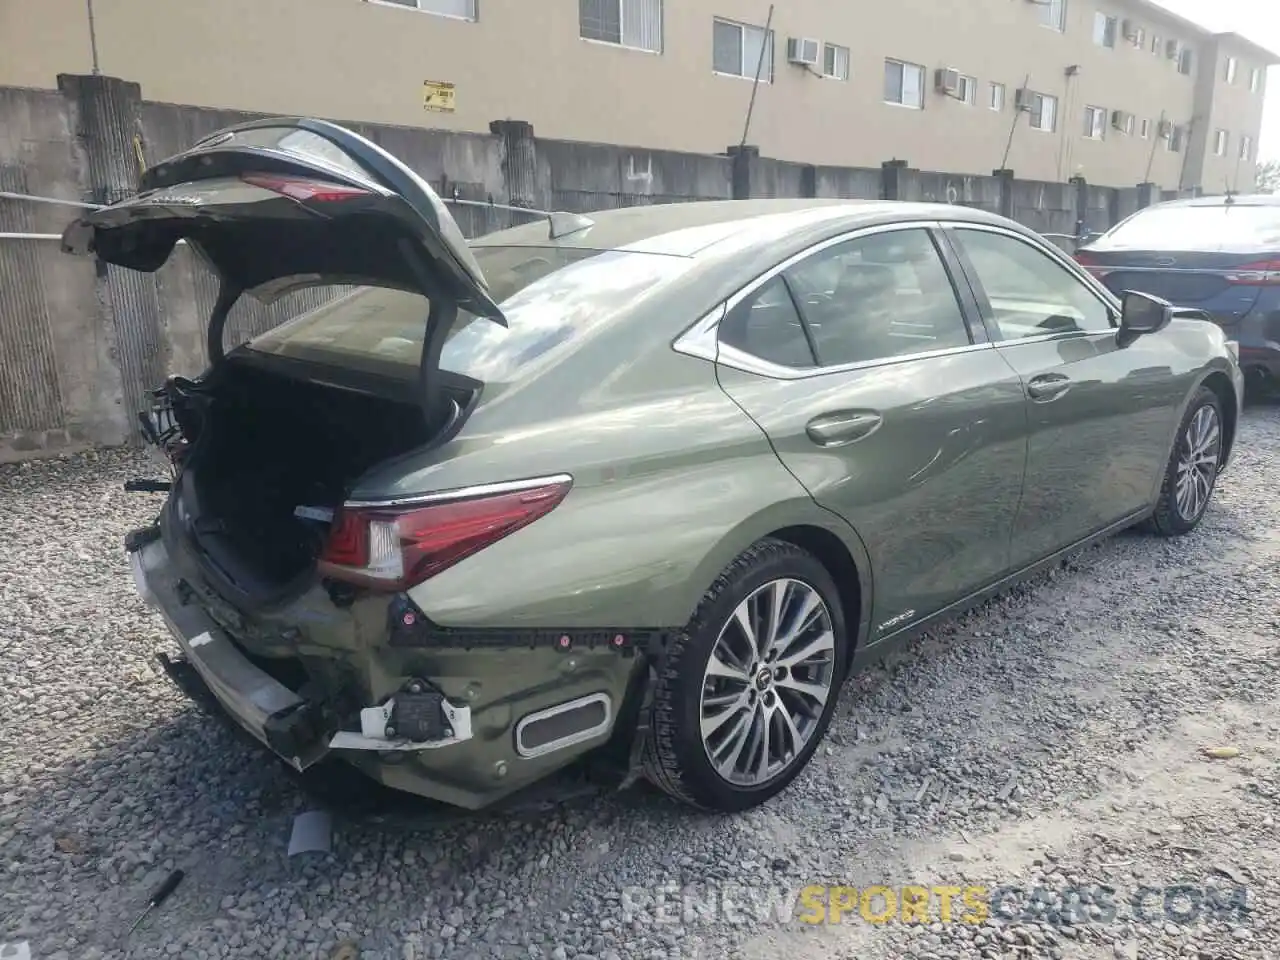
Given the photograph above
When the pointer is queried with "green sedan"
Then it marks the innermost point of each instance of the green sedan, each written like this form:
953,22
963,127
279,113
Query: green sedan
646,484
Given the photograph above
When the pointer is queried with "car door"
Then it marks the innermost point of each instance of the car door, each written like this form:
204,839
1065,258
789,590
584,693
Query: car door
881,393
1100,413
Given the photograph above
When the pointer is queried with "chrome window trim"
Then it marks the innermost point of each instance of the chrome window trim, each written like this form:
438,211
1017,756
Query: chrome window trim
462,493
701,340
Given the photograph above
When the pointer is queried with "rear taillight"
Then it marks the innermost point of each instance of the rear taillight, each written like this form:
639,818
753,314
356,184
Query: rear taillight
304,188
1089,262
1263,273
391,548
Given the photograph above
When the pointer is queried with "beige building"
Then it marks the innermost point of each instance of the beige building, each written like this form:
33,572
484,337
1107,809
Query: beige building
1118,91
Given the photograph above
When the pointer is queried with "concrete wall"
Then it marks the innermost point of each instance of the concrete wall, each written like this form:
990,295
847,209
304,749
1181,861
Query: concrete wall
349,58
80,346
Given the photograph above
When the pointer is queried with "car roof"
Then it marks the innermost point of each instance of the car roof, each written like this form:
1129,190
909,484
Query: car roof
693,228
1236,199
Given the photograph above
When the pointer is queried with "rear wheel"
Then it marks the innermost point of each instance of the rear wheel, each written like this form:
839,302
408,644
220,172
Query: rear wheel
1193,466
748,688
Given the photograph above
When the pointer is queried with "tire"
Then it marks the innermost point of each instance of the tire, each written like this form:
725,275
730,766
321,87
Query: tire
1178,512
676,758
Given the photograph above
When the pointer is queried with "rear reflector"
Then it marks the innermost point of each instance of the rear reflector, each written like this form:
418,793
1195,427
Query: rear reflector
394,548
1264,273
303,188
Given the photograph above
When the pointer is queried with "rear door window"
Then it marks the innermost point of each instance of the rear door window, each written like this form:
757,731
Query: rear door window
877,297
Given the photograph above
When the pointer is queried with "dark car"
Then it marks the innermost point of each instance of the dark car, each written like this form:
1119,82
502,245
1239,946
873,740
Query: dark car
654,481
1217,254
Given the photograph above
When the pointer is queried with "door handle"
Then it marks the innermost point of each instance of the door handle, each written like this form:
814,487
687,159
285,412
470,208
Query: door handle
836,429
1048,386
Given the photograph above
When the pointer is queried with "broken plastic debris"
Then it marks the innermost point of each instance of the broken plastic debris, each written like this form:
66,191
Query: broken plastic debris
1221,753
15,951
312,833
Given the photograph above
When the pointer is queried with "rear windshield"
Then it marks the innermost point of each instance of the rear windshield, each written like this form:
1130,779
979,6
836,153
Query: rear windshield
550,296
1219,227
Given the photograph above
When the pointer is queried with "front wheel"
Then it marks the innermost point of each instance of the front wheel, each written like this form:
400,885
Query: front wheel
1193,467
749,687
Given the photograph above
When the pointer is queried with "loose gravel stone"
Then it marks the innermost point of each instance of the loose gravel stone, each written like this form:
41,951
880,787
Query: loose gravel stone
1048,745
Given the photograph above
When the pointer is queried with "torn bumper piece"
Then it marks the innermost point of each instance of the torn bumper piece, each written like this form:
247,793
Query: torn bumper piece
417,718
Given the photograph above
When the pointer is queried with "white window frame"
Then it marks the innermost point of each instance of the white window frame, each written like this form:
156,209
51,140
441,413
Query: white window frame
967,92
1105,27
1221,140
1255,80
1186,60
996,96
1139,38
622,21
1230,69
904,66
1053,15
1246,147
424,6
1095,123
1146,128
1041,100
1174,142
836,73
1129,121
1157,45
748,70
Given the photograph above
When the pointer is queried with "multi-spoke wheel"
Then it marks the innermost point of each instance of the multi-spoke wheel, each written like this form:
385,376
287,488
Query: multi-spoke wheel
1193,467
748,690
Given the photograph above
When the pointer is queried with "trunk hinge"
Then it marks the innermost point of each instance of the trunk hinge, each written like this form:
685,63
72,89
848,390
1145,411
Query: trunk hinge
441,316
228,294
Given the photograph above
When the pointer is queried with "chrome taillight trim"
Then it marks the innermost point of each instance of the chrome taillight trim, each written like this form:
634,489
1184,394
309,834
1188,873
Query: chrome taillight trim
461,493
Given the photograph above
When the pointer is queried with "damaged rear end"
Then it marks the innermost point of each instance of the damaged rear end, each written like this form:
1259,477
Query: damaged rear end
289,600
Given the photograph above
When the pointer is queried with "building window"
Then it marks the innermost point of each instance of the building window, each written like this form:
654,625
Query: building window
1146,129
462,9
1174,142
1138,37
628,23
737,48
835,61
968,90
1219,143
1095,123
1104,30
1184,60
1229,69
1053,14
1043,109
1246,147
1156,45
997,96
1255,80
904,84
1129,121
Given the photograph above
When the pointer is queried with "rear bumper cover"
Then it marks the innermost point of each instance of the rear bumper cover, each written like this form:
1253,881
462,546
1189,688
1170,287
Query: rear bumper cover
265,708
289,725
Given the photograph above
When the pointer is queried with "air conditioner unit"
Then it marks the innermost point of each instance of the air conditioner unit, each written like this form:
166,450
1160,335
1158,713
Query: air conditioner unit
1118,118
1022,98
803,51
1172,49
1128,29
947,81
1165,130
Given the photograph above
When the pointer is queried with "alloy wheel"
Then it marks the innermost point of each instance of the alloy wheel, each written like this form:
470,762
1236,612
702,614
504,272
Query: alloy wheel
767,682
1198,455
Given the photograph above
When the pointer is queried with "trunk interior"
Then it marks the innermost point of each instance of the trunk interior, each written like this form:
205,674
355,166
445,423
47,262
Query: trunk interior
265,443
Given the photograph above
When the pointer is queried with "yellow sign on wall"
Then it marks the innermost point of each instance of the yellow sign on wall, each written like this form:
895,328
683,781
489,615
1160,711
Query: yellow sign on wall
438,95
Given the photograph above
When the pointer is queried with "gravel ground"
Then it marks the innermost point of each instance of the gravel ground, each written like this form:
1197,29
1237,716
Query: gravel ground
1054,741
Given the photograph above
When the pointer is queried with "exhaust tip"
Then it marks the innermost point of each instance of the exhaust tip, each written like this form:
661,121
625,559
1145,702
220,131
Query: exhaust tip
564,725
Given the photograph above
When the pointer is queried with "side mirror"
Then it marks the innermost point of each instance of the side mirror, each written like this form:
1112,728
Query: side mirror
1141,313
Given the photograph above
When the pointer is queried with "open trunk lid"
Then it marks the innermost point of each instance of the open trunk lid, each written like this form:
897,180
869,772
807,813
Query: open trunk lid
277,205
